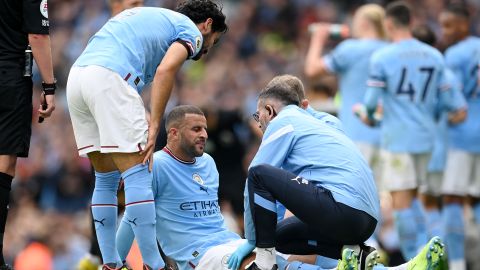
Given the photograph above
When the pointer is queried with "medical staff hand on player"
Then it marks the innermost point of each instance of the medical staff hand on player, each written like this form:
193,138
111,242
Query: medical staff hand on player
237,257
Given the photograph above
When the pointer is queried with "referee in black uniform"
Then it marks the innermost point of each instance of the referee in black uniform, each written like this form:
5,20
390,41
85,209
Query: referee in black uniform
22,22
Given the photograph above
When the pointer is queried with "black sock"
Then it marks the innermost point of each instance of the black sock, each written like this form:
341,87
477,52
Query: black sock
5,187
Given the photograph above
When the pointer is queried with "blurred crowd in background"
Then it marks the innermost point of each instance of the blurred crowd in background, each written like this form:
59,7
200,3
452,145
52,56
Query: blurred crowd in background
53,186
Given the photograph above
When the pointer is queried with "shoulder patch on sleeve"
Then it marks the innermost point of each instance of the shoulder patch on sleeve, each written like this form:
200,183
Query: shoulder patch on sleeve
44,8
198,43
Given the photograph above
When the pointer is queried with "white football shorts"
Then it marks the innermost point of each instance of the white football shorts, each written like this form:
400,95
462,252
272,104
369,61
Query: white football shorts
216,257
107,114
403,171
462,174
433,185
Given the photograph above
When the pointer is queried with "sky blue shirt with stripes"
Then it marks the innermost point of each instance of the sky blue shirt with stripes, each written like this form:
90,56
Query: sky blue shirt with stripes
462,58
189,221
134,42
456,102
350,60
301,144
408,77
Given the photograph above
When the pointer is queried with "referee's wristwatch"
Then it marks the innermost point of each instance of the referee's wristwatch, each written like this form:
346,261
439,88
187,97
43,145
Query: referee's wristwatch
49,88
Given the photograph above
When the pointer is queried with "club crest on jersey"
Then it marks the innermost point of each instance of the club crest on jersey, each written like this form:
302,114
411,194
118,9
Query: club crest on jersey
198,42
225,259
44,8
197,178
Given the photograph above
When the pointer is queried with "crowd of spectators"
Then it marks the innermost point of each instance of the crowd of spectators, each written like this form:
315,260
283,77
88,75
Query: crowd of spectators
49,213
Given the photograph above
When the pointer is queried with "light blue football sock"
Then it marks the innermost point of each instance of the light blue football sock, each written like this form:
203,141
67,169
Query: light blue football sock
406,226
434,223
140,213
422,234
454,229
325,262
104,211
125,238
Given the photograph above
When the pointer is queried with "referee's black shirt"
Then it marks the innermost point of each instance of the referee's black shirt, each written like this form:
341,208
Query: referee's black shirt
18,18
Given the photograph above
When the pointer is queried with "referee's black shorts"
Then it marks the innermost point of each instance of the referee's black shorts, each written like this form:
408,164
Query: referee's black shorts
15,110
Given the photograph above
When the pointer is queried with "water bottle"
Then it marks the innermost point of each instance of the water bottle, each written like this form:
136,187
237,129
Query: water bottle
27,71
336,31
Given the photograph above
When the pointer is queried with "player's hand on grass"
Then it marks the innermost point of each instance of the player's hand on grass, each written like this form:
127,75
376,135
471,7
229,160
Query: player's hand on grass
149,147
237,257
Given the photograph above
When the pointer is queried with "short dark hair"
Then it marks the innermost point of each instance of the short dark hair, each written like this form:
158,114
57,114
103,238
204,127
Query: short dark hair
425,34
459,10
400,12
200,10
177,114
280,92
293,82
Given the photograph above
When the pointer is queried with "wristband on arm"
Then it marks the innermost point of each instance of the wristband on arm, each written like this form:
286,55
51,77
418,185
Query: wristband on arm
49,88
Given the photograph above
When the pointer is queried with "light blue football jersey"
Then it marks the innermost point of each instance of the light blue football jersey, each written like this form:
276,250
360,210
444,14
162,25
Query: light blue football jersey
297,142
350,61
407,76
462,58
189,221
134,42
456,102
